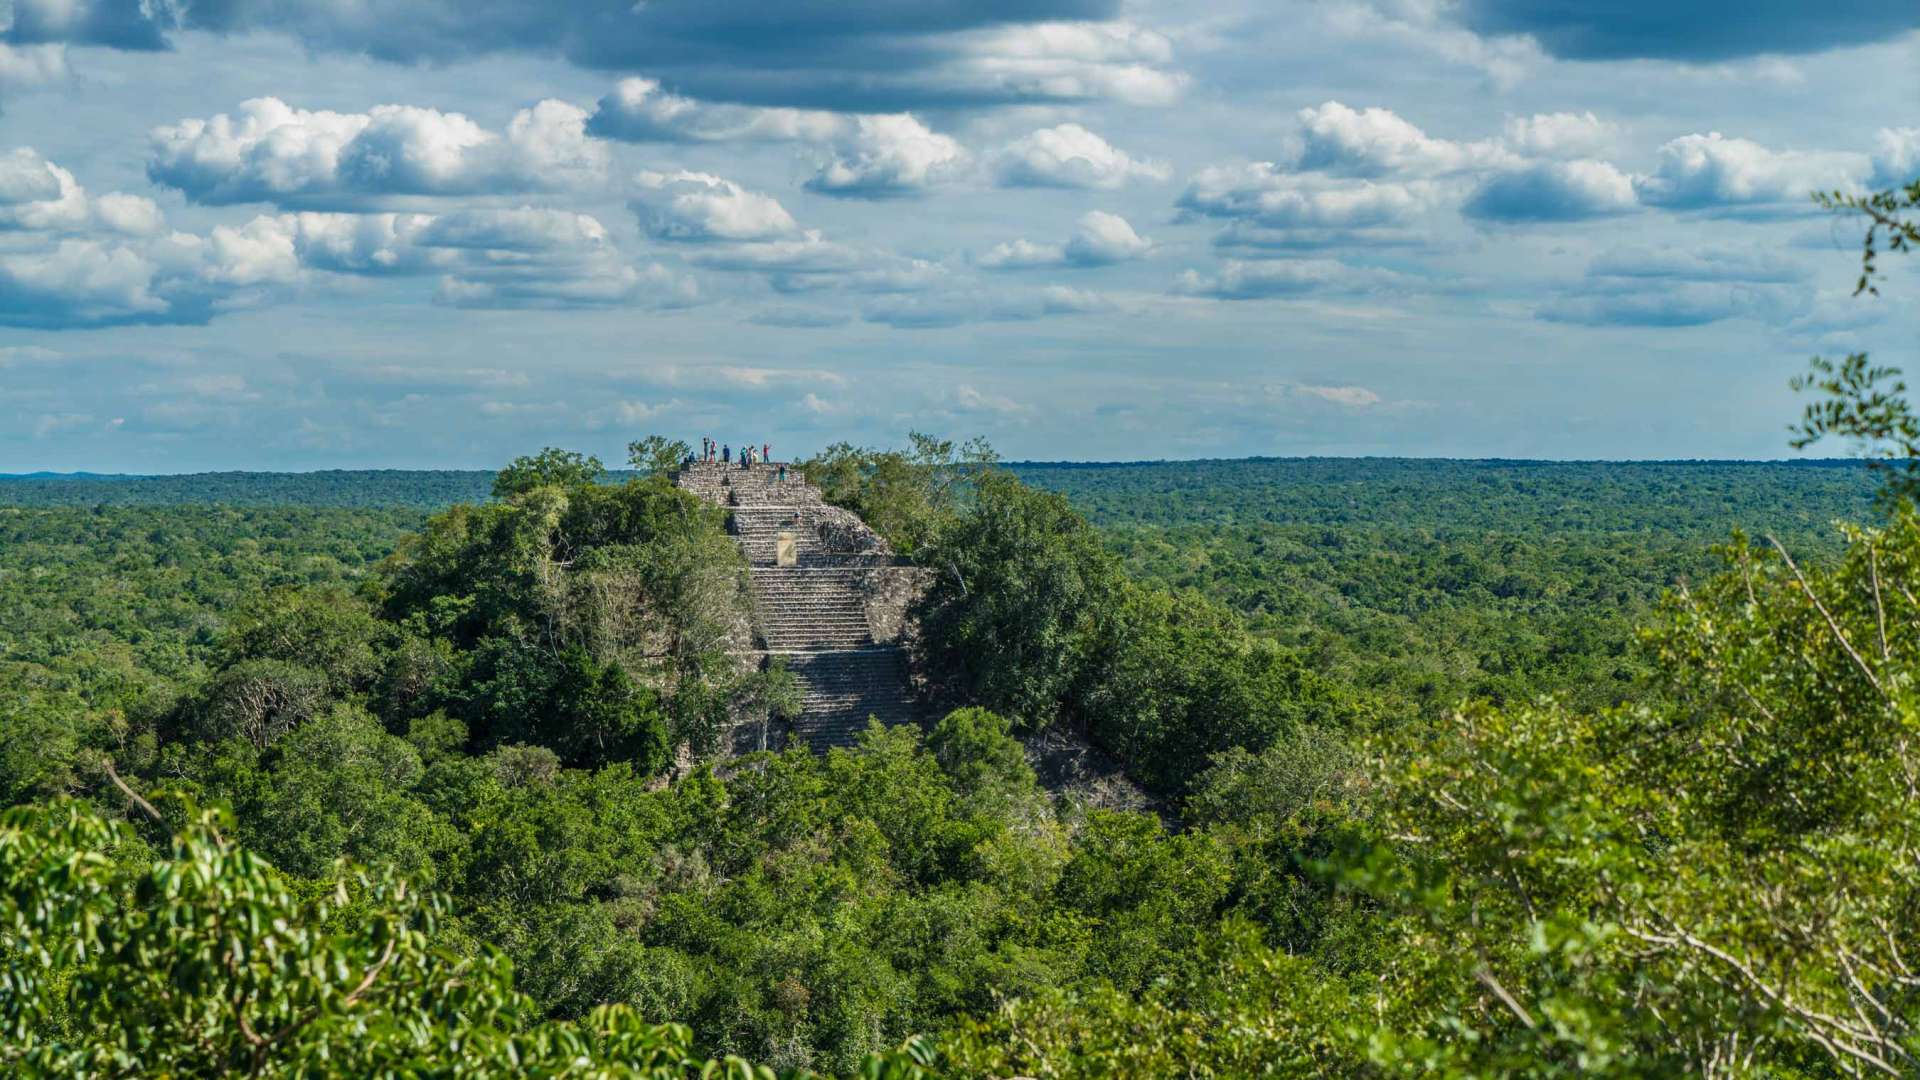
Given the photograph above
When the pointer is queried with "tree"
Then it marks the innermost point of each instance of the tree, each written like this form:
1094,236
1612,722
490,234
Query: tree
203,961
551,467
1722,880
327,630
1017,579
1862,401
656,454
905,496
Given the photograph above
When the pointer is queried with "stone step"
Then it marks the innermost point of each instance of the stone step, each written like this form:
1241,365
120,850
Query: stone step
812,615
843,689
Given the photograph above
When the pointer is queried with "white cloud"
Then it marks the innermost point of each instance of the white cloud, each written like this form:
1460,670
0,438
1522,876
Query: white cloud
1023,255
134,215
1377,142
640,110
1712,170
1070,156
260,252
888,155
25,66
1505,59
1101,239
1561,134
857,155
1064,61
700,207
1263,193
527,256
37,195
78,282
1552,191
269,151
1896,157
810,252
548,148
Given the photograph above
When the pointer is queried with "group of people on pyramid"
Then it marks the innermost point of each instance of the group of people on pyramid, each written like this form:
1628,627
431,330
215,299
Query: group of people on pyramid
712,451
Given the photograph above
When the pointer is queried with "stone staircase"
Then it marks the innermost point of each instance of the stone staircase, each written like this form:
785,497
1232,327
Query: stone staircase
813,615
758,528
805,608
844,688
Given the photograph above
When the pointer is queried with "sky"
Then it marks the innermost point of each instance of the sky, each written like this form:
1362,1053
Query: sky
297,234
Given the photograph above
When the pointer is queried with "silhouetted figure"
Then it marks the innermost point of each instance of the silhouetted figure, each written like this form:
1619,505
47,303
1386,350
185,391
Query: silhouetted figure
726,452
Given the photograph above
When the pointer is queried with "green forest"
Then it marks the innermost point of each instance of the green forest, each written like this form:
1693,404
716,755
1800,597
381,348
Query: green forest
1429,768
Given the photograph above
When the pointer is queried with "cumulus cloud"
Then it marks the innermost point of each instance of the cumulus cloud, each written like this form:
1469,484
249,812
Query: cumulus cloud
853,155
1271,209
887,156
1552,191
109,260
1373,142
641,110
37,195
135,215
726,227
1070,156
1023,255
1561,134
1104,239
1101,239
694,207
1366,175
80,282
269,151
886,57
1713,170
1661,29
1267,195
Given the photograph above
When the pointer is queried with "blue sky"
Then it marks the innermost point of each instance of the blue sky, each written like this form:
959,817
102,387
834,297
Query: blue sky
252,234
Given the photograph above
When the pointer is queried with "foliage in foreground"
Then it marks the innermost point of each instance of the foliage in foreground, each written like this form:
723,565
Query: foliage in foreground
202,960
